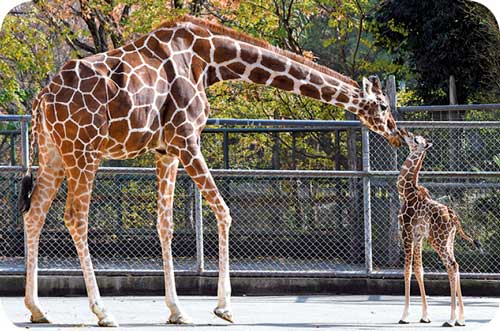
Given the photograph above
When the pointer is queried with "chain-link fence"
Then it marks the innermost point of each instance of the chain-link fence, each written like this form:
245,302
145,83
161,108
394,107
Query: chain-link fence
328,222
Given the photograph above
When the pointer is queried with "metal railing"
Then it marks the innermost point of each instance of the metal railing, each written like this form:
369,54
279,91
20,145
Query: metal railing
286,222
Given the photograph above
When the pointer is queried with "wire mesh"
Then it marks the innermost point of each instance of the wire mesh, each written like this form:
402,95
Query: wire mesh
11,227
453,149
122,226
280,223
290,224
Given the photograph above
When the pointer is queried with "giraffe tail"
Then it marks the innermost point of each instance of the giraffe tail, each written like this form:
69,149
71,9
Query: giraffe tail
473,242
27,181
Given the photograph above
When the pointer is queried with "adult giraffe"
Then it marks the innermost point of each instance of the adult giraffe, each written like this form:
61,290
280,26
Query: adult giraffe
150,95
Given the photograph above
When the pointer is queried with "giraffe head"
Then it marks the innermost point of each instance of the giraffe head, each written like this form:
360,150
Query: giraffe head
416,143
376,113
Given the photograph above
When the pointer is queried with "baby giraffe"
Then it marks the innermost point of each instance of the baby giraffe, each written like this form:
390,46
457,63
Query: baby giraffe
421,217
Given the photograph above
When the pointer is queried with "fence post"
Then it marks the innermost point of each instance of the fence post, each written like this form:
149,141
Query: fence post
24,162
225,148
198,216
25,144
365,142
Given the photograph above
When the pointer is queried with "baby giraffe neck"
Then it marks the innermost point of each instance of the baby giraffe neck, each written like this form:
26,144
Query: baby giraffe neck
408,176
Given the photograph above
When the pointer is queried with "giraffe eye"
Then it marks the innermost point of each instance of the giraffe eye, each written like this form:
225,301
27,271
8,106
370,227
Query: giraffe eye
383,107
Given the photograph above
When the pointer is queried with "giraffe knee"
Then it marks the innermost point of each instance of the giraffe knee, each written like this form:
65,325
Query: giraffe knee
165,228
73,218
222,214
452,266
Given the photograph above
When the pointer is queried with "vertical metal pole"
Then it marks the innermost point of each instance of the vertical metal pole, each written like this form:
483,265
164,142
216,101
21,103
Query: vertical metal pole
365,141
25,161
198,216
225,147
25,144
337,149
12,149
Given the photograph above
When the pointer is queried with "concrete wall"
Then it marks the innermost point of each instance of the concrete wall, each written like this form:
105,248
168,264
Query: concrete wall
57,285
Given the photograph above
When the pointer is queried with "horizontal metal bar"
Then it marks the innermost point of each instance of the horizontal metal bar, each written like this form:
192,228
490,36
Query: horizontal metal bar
10,132
14,118
318,123
289,173
240,172
381,182
450,124
268,129
454,174
413,109
11,169
268,122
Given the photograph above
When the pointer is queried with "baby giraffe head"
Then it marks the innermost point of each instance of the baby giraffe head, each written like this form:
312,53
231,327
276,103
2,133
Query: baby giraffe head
416,143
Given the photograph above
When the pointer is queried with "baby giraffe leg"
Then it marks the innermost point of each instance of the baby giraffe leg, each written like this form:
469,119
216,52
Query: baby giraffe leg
419,275
451,268
408,249
461,320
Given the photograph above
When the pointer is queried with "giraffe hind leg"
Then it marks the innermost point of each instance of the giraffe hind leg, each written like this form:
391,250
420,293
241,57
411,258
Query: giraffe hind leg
49,177
452,269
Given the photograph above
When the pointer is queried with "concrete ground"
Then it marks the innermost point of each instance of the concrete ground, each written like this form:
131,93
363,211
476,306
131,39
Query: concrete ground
340,312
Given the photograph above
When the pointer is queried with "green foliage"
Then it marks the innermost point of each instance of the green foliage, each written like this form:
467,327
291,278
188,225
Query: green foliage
437,39
26,58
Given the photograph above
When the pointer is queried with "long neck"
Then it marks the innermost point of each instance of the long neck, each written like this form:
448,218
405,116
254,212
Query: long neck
408,176
236,60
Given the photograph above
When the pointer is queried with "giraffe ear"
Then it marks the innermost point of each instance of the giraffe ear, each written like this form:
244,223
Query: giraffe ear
377,84
428,145
367,88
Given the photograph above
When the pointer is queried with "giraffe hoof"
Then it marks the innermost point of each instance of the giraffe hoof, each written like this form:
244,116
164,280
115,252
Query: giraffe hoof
179,319
40,320
460,323
108,322
425,320
447,324
225,314
403,322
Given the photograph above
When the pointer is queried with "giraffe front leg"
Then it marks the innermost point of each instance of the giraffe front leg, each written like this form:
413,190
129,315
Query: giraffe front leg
408,249
166,171
419,275
76,220
196,167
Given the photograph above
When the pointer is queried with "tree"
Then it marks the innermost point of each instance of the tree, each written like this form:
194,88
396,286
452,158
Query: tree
437,39
26,59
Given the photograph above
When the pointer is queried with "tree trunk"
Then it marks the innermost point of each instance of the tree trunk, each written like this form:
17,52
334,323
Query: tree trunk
355,209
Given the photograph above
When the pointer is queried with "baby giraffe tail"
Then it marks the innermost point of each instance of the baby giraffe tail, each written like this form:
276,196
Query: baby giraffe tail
473,242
